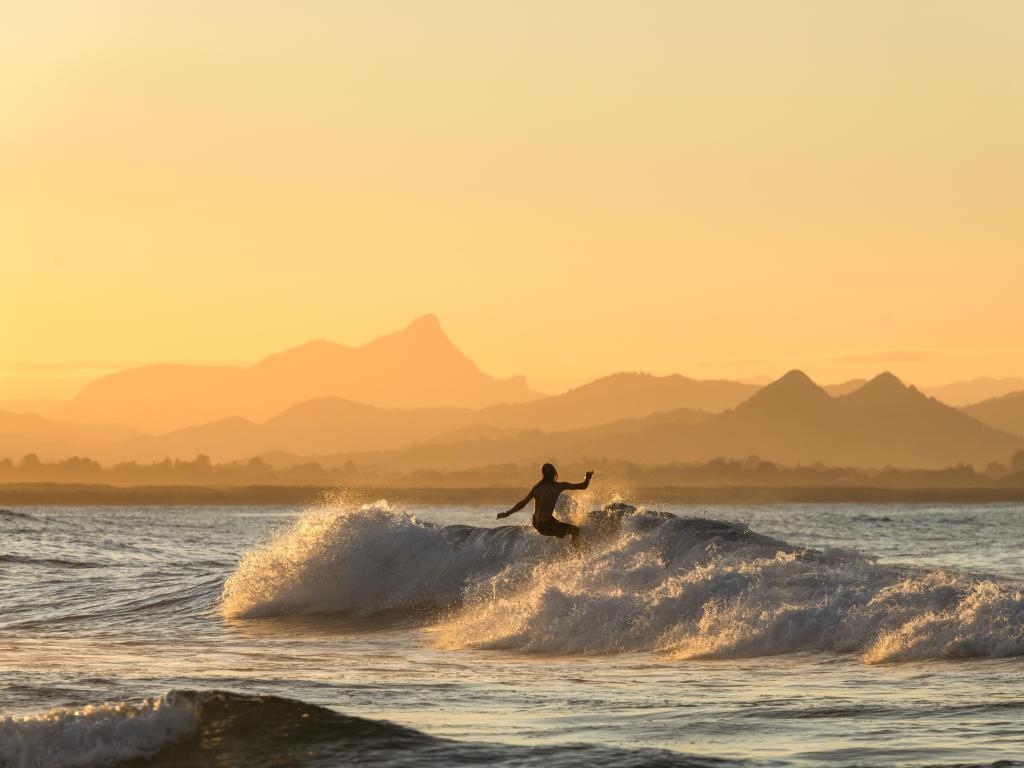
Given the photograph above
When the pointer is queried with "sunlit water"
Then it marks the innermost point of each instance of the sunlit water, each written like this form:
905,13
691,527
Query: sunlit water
367,614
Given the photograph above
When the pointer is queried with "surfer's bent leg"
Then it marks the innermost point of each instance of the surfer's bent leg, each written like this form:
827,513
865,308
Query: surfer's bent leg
552,527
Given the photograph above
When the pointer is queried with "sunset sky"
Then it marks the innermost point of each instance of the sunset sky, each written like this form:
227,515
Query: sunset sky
722,189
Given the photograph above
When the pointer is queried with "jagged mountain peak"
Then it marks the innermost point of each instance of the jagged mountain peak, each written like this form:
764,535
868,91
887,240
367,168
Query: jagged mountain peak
427,323
417,366
885,388
791,394
794,384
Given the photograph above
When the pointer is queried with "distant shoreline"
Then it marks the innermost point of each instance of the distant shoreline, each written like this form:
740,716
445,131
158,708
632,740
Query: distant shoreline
71,495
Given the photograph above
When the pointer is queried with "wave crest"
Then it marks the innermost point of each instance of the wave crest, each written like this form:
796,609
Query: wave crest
368,559
647,581
98,734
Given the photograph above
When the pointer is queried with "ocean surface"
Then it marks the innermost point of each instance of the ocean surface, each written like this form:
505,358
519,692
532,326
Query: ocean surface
779,635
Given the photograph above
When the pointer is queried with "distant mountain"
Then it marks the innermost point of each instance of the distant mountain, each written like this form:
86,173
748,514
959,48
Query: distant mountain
963,393
620,396
413,368
332,425
326,425
838,390
628,416
1006,412
24,433
494,448
41,406
791,421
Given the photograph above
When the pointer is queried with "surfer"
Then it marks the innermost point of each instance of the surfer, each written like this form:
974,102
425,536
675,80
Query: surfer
545,494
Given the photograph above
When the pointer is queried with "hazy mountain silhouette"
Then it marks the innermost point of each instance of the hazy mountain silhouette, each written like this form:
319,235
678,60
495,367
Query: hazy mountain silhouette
838,390
1006,412
415,367
24,433
332,425
619,396
488,447
963,393
327,425
411,400
791,421
778,422
41,406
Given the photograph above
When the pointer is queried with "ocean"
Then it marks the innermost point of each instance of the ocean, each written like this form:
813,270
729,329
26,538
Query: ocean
381,634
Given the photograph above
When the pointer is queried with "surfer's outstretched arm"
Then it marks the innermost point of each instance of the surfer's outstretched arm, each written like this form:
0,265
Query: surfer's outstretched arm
578,486
518,506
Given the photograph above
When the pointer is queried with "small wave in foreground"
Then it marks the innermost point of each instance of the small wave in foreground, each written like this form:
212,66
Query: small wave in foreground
215,729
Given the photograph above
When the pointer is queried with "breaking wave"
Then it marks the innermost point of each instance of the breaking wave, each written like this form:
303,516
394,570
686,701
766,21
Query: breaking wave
100,734
369,559
647,581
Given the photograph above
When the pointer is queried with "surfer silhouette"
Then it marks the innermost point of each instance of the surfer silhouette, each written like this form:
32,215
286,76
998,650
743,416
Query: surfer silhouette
545,495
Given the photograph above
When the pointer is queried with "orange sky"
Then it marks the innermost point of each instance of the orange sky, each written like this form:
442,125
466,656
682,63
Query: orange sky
574,188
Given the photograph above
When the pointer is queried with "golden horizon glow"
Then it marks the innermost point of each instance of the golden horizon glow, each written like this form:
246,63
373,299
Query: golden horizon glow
720,190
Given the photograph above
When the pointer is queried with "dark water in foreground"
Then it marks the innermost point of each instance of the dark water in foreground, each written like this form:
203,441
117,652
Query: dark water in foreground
195,636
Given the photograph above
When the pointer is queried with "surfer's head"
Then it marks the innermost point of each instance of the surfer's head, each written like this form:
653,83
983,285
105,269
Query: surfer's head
549,472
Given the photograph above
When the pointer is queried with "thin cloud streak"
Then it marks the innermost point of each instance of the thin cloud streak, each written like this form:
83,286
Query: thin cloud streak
85,366
895,356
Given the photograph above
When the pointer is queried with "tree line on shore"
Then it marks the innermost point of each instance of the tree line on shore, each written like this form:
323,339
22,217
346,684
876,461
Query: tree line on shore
751,471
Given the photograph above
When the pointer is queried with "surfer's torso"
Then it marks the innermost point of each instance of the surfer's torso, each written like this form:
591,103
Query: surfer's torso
545,496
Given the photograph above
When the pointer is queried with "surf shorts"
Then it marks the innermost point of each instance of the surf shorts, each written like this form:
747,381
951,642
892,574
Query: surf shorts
552,527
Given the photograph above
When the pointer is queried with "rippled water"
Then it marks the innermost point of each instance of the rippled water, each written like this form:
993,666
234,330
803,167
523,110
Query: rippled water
670,642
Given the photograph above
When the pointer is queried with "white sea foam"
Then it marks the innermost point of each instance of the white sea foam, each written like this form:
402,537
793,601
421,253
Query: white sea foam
96,735
369,559
688,587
